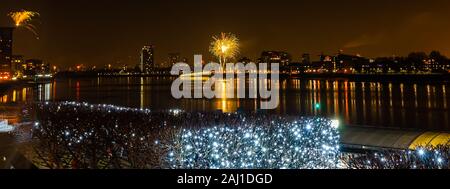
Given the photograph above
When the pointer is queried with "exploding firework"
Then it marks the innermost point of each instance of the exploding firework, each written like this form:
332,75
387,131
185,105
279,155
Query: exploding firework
224,46
23,18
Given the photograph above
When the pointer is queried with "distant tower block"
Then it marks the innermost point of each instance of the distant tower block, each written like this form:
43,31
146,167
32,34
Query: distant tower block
147,59
6,48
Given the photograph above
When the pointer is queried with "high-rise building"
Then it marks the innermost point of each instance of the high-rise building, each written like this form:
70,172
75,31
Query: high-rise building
147,59
6,48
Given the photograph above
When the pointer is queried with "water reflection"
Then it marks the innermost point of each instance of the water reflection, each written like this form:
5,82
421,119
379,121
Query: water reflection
370,103
400,105
15,95
10,102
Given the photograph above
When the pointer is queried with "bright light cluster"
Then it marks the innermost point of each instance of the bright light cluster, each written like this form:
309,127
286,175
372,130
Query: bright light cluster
108,107
23,18
5,127
421,158
307,143
174,138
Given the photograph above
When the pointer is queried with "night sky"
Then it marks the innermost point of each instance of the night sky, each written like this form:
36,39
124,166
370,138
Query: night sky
98,32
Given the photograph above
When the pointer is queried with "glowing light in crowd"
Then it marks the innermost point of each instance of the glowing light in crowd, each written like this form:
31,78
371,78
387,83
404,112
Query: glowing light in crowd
4,127
224,46
23,18
283,145
317,106
335,123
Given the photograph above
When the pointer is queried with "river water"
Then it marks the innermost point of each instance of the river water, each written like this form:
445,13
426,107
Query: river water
404,105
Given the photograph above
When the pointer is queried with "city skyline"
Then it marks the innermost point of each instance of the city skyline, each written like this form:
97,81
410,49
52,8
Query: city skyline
114,34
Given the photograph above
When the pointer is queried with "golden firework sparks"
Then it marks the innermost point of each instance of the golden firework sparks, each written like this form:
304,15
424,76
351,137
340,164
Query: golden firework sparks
23,18
224,46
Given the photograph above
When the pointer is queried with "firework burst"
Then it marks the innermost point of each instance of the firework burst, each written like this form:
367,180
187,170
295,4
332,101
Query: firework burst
23,18
224,46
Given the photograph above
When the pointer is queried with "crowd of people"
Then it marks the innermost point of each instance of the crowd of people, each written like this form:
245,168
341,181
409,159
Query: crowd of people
81,135
71,135
426,157
297,143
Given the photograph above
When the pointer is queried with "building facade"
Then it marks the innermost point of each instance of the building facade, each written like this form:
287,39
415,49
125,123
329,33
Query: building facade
283,58
6,48
147,62
17,63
